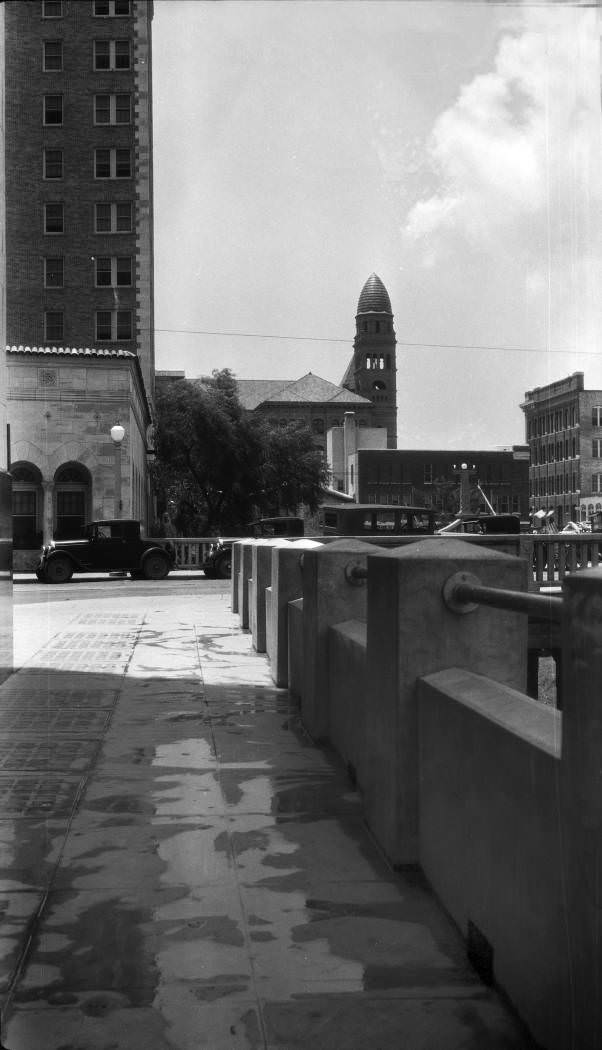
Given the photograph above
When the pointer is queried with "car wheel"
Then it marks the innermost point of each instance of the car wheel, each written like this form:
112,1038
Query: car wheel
155,567
223,567
59,570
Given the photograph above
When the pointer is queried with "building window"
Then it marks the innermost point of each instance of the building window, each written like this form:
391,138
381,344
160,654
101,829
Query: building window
53,163
111,54
596,482
112,109
53,272
113,218
596,448
112,164
53,56
53,218
597,415
53,326
111,8
52,8
113,325
428,473
318,426
114,272
53,109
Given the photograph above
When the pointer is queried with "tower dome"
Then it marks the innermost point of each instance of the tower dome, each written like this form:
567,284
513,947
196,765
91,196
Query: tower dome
374,297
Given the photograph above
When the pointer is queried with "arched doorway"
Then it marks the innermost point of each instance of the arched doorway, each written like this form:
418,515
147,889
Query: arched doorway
72,490
27,506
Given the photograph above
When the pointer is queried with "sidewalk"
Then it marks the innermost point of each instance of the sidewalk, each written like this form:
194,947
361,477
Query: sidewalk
183,869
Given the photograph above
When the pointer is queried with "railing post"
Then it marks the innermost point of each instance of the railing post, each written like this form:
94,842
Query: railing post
581,793
412,633
235,574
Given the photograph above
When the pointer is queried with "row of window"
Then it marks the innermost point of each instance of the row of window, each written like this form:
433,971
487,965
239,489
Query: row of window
114,217
108,164
378,361
109,272
107,109
554,486
110,326
107,56
554,452
100,8
552,422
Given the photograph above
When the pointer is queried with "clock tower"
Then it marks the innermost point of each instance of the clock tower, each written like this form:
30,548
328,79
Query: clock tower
372,370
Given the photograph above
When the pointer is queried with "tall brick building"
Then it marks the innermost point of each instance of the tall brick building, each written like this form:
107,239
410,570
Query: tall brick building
563,424
79,244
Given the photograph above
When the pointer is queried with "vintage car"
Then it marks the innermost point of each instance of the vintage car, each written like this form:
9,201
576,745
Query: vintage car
375,519
218,562
105,546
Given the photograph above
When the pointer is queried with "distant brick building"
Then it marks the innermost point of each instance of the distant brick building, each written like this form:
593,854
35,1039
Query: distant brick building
79,239
563,423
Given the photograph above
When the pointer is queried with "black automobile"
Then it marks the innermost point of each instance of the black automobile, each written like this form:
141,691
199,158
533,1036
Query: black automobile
218,562
105,546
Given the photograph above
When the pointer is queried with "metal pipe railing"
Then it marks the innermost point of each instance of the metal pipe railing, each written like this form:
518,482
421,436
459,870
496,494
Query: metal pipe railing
541,606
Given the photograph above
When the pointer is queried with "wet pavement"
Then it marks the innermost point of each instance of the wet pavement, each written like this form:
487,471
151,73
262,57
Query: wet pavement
182,868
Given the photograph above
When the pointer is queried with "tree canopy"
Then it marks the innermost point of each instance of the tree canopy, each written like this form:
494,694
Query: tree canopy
218,467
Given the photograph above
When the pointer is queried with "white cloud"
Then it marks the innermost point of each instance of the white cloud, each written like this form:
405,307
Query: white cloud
508,147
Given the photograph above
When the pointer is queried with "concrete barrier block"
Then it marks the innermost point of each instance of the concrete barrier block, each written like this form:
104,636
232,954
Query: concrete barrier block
489,836
244,576
295,648
411,633
581,799
236,558
347,691
261,574
287,586
330,596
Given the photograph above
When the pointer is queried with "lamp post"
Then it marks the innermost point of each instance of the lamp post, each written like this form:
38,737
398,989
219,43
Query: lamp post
117,436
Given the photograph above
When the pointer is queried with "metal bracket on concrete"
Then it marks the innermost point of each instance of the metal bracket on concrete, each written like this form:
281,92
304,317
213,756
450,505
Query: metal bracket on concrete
449,590
356,574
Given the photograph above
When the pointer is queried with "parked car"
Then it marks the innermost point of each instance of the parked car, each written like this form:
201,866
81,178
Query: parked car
105,546
218,562
373,519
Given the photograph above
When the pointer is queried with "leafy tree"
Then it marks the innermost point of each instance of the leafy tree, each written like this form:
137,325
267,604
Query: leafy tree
207,455
293,470
220,467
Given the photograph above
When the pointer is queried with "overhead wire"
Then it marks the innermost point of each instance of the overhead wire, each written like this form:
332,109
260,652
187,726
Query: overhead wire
400,342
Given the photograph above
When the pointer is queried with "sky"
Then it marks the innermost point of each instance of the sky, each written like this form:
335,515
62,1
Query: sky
453,148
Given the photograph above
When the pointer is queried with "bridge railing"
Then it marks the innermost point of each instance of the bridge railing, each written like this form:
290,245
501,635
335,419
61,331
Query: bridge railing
412,664
551,556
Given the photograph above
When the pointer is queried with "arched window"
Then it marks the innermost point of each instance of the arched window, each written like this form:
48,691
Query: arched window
73,487
27,506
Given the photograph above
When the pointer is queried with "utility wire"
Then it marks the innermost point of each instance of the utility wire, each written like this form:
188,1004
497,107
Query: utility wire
400,342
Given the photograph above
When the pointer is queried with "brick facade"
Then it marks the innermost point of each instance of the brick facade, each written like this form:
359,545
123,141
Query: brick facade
563,424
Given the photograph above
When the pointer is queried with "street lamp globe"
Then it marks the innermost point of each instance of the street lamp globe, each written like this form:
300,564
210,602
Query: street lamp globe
117,434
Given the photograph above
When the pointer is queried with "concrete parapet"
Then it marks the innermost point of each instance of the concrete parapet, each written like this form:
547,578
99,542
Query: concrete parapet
581,799
347,695
411,633
330,595
490,841
287,586
261,578
236,558
244,575
296,661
